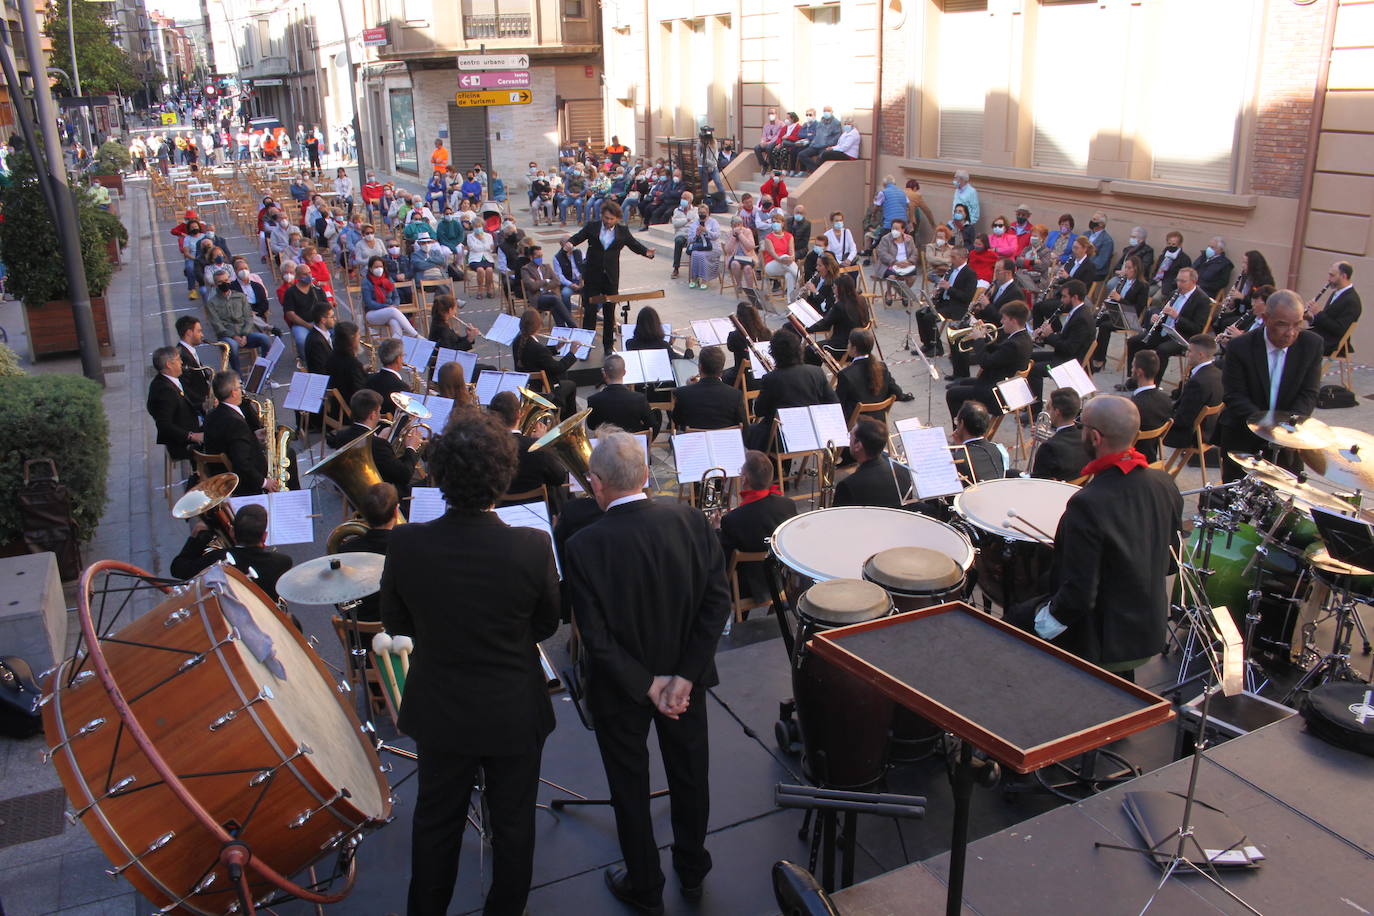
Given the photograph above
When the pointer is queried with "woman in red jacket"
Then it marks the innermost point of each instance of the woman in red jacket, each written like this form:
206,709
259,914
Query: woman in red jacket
982,258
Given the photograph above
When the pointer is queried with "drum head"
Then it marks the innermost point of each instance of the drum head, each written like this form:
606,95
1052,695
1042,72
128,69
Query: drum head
835,543
304,701
1039,503
840,602
917,570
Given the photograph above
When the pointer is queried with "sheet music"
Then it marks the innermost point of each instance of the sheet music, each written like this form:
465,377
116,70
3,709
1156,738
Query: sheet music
931,463
417,351
504,329
692,454
439,408
289,515
465,358
646,366
757,368
532,515
798,432
580,338
804,312
908,424
1016,393
712,332
306,392
487,385
513,381
643,438
1071,375
426,504
830,424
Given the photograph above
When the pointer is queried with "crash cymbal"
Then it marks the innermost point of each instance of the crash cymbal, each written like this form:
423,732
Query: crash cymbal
333,579
1292,432
1308,496
1323,560
1348,462
1264,471
205,496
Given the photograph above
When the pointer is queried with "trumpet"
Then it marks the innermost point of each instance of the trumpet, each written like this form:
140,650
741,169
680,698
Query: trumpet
959,338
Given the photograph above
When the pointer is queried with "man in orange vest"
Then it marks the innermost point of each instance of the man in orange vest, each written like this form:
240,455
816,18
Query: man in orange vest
439,158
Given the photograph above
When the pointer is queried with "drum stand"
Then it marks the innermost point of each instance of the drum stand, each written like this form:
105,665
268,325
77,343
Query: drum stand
1334,665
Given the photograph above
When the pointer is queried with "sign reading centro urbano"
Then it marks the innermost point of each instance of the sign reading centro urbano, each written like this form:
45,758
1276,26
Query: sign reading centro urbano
500,79
493,97
493,61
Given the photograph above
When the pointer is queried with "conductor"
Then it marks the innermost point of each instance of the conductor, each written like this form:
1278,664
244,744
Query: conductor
650,599
601,271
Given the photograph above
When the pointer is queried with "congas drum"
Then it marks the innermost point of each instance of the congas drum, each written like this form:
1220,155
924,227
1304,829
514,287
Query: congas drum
845,722
1014,516
915,577
206,723
835,543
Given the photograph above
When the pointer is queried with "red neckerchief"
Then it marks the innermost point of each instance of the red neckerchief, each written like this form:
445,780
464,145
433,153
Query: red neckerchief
748,496
1127,461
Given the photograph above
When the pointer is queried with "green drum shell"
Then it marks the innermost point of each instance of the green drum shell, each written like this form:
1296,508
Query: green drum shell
1230,584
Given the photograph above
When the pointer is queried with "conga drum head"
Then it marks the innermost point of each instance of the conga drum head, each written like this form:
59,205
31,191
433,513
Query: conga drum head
912,570
835,543
841,602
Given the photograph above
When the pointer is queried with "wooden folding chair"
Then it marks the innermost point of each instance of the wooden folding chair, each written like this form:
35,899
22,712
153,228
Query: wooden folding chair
1155,435
878,410
1341,357
741,604
376,693
1181,456
208,464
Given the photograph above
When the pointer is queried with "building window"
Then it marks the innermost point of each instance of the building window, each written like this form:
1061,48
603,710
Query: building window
574,9
962,87
1064,126
829,83
417,10
403,149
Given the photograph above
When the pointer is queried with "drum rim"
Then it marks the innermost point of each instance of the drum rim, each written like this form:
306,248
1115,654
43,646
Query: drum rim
1010,534
817,575
902,590
832,624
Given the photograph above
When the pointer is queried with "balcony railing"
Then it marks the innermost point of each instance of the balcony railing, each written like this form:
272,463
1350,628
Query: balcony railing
496,26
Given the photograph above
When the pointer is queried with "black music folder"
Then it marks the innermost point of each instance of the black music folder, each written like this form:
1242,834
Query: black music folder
1157,816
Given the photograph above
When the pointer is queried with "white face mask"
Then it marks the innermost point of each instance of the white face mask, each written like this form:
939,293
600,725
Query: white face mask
1135,240
940,243
393,251
377,271
243,275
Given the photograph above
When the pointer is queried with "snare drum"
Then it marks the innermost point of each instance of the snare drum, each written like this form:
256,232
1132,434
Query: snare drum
845,722
915,577
1012,555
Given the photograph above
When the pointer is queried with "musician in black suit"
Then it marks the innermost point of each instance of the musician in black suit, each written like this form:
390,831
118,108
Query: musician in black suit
366,410
1005,356
872,483
1003,290
346,373
1131,292
1151,403
532,469
848,313
530,354
617,404
1063,455
650,599
387,380
176,419
231,429
708,403
601,270
477,596
378,509
1187,314
1250,388
952,297
319,342
249,556
866,380
985,460
1080,267
792,383
195,377
1332,318
746,528
1067,338
1109,596
1201,388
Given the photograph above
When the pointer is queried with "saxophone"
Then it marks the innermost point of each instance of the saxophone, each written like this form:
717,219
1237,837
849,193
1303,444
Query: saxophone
276,443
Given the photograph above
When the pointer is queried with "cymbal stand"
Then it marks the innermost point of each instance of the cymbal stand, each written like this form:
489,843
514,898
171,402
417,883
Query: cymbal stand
1334,665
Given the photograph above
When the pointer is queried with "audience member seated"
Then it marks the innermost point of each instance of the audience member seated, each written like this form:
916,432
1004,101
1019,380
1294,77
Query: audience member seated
1213,267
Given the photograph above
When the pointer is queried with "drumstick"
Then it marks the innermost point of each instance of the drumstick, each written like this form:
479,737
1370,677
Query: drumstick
403,645
1030,534
1012,513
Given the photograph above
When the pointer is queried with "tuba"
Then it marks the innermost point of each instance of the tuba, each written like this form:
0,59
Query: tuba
209,501
277,441
534,410
571,445
351,468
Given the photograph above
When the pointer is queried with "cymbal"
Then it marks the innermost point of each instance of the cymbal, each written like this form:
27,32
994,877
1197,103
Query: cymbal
1292,432
1309,497
1323,560
205,496
1264,471
1349,460
333,579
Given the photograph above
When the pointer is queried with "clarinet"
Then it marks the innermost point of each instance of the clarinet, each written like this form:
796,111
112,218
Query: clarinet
1307,312
1157,323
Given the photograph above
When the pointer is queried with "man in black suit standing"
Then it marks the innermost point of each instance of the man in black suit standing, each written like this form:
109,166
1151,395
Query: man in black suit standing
1202,389
998,360
1277,370
195,378
365,408
1109,601
952,297
387,380
792,383
616,404
1153,405
1069,342
532,469
650,598
233,429
249,554
1186,312
708,403
477,596
319,342
601,270
1062,455
1332,318
762,508
176,419
872,482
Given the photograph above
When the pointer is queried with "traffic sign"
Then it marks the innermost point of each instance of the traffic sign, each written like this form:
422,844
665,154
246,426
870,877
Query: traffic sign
169,118
493,61
493,97
500,79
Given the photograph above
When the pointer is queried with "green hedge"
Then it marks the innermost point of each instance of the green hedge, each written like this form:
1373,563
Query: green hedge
59,417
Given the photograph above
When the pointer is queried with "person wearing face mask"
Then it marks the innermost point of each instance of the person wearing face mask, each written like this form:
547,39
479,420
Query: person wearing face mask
368,246
682,217
775,188
301,304
961,229
779,258
252,287
702,239
542,289
896,254
840,241
1061,240
806,132
1103,245
482,259
666,200
800,227
937,254
772,133
825,137
231,320
567,266
190,236
846,148
784,156
450,232
1002,240
319,270
967,195
1213,267
372,196
1021,228
1139,249
1164,276
380,300
428,261
208,261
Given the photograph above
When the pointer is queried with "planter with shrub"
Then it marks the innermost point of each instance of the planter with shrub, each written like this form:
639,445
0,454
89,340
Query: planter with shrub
108,167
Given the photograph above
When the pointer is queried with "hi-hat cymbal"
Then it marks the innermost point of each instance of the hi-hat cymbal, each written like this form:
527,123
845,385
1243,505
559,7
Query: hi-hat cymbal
205,496
1292,432
333,579
1265,471
1349,460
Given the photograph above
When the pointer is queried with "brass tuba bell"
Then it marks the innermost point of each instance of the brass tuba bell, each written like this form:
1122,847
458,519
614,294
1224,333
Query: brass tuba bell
571,445
209,501
955,337
534,410
351,468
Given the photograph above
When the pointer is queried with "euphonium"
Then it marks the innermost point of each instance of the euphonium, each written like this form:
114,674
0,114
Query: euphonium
534,410
209,502
956,338
1041,433
351,468
570,443
409,410
713,481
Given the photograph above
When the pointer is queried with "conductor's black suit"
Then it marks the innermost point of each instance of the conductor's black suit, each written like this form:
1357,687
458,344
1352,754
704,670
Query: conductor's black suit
477,596
1245,383
601,273
650,598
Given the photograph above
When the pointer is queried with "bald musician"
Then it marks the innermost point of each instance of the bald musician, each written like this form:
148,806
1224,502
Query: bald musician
1109,599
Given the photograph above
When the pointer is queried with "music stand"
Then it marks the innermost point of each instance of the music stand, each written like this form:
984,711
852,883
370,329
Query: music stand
1006,707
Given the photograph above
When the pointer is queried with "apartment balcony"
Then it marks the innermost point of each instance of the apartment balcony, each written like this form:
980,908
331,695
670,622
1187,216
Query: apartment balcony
496,26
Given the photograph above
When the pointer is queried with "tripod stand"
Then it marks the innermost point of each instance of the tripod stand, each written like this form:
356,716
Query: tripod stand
1335,664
